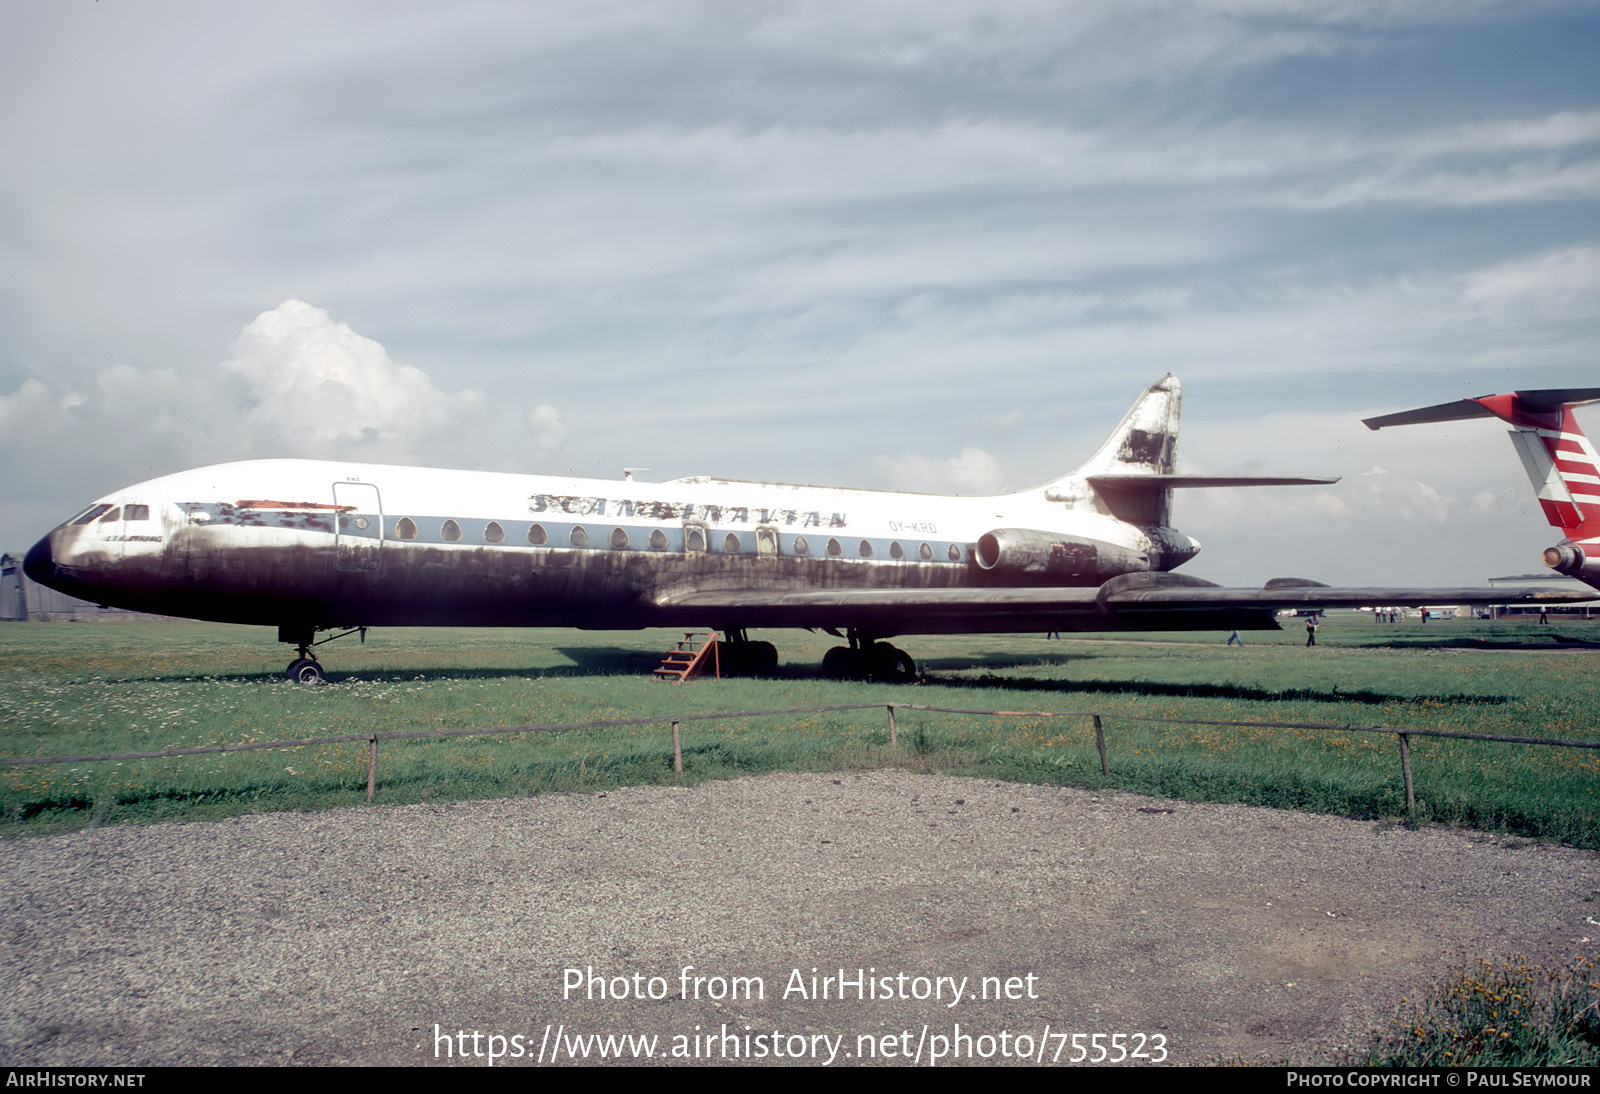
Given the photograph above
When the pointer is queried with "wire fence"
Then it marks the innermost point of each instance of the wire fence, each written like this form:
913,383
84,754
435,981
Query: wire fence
1098,718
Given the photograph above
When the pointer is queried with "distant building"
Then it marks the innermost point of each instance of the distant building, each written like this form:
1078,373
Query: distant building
1583,609
22,598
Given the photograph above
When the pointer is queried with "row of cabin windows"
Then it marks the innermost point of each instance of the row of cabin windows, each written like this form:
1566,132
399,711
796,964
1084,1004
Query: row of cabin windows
695,541
109,514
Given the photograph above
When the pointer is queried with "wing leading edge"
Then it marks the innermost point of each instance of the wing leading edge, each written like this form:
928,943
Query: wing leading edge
1126,602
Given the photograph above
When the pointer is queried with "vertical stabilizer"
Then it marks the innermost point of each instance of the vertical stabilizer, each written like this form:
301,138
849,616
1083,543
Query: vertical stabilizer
1559,460
1145,442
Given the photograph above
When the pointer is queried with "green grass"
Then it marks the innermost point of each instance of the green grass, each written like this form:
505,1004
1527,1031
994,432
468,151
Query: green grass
70,689
1508,1014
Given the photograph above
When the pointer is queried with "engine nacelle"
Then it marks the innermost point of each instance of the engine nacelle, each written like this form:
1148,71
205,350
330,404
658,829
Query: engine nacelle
1026,551
1569,559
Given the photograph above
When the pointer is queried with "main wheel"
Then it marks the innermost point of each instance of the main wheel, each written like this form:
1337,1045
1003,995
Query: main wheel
841,663
892,665
762,659
303,670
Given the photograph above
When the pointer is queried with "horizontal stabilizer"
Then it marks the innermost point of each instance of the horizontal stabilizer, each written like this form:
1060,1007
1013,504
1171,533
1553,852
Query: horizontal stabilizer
1169,482
1456,411
1542,399
1551,397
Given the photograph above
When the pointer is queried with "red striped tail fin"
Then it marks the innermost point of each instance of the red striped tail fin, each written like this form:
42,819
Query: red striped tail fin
1560,461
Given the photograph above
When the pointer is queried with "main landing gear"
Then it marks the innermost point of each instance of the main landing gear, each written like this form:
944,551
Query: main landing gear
306,669
739,656
868,659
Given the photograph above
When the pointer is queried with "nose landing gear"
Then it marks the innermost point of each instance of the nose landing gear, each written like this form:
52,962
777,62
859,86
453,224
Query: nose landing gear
305,668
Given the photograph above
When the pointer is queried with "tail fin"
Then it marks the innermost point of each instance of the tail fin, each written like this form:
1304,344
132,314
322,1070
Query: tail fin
1143,447
1133,474
1559,460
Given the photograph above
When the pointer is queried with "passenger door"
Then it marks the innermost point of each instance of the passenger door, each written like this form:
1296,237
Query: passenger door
358,526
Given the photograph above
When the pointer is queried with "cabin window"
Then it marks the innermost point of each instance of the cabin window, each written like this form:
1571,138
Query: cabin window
658,540
136,512
925,553
493,533
694,542
406,528
865,548
578,537
955,553
834,550
801,547
896,551
619,540
115,514
730,543
450,532
538,536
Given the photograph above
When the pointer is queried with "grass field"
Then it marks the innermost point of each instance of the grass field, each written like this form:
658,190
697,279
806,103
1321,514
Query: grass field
70,689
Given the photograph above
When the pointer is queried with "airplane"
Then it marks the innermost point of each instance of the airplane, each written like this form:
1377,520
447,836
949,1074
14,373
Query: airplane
311,546
1559,460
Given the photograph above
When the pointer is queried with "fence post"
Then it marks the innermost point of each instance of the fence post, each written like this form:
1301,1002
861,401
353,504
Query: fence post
893,741
1100,743
372,766
677,750
1405,769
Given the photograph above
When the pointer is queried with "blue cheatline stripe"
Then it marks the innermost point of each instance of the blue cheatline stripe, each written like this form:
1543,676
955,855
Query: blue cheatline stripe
558,536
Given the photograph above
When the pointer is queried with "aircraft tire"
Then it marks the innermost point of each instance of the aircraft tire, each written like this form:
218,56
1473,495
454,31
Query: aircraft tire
762,659
303,670
905,667
841,663
892,665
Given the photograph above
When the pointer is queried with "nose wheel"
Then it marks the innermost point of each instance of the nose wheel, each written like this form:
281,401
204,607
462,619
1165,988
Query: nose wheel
305,670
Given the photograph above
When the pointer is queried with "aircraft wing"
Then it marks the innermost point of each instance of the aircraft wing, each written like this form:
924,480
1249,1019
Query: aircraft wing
1128,601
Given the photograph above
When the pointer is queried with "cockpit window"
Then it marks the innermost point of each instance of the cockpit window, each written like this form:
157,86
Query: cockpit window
115,514
135,512
90,513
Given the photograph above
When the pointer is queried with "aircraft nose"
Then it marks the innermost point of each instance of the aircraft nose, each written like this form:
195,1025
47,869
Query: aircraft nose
40,564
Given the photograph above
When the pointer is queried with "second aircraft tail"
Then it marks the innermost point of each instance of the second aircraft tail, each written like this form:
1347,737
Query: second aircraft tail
1560,462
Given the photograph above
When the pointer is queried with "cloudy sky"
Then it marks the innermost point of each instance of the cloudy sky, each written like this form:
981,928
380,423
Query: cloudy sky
934,245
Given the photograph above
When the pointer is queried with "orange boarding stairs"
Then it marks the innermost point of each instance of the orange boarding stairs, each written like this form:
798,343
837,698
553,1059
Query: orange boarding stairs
690,656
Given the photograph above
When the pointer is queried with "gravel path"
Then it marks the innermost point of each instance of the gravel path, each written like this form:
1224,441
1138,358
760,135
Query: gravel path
374,935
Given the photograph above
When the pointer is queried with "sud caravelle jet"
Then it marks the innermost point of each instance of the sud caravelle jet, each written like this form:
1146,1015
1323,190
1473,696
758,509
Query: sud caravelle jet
308,546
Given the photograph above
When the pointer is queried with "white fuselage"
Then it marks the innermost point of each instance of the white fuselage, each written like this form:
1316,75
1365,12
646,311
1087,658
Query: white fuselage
330,543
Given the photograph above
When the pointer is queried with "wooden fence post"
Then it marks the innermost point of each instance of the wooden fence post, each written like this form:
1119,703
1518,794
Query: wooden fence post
372,766
893,741
1100,743
1405,769
677,750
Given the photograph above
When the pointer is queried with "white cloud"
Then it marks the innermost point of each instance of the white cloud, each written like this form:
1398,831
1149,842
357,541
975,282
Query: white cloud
550,429
973,471
318,388
30,414
1559,284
